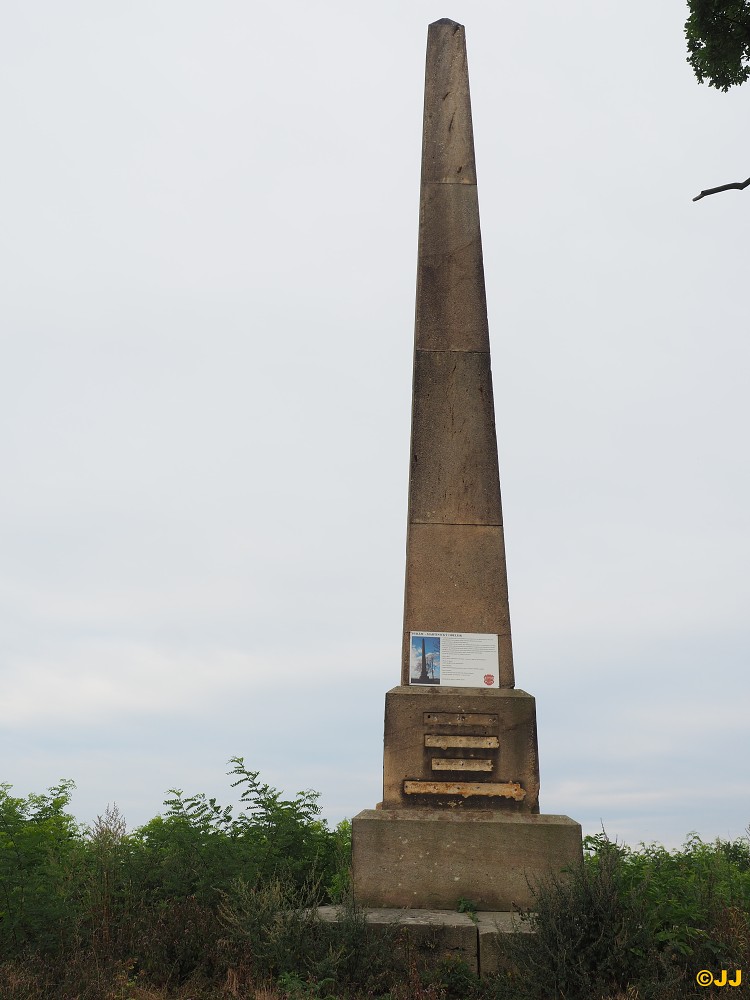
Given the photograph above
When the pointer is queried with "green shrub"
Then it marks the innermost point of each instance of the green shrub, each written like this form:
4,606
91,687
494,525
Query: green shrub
687,894
211,901
591,931
274,933
41,859
150,899
644,919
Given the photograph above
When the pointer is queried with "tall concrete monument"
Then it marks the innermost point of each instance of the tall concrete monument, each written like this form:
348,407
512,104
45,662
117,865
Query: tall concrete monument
460,811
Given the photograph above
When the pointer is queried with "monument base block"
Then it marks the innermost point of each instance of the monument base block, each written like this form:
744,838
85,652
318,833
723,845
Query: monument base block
460,749
432,858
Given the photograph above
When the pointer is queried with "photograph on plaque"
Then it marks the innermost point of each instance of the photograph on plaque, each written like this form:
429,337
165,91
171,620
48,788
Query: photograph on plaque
454,659
424,661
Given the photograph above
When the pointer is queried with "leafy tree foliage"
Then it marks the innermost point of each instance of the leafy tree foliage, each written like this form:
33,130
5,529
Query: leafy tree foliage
718,40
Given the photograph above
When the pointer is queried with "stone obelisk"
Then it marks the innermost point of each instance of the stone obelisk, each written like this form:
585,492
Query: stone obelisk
460,810
455,552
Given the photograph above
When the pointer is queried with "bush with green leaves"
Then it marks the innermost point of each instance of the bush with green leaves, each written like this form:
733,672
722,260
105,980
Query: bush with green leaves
645,919
215,900
150,899
200,846
42,853
274,932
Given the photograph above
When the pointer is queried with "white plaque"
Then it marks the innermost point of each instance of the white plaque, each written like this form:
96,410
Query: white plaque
453,659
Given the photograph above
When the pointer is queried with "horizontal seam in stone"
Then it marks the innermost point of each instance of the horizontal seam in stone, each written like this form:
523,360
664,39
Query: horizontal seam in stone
459,524
449,350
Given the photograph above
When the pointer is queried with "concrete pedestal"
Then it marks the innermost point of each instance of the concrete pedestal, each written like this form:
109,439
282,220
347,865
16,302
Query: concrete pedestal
460,749
432,858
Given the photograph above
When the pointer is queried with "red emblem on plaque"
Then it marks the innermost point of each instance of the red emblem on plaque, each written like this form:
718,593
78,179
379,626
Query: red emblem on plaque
489,679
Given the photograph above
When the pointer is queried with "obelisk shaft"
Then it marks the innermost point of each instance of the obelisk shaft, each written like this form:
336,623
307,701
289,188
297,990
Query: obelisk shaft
455,561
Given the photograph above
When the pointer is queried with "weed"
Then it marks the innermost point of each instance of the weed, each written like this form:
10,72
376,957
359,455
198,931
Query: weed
469,908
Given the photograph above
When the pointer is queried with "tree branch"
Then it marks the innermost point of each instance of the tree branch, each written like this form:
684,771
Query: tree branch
737,186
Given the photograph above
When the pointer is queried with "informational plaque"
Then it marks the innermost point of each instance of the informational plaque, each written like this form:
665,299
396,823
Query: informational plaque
453,659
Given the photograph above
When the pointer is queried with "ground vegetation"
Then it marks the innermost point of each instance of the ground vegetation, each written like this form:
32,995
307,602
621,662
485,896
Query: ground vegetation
207,902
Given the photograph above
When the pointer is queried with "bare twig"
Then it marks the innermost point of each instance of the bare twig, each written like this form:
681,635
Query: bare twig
737,186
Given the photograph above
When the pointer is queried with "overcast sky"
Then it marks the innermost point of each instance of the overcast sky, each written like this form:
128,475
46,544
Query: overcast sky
207,267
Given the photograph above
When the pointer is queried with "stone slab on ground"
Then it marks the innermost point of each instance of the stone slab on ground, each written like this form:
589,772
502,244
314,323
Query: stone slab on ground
490,929
436,933
443,932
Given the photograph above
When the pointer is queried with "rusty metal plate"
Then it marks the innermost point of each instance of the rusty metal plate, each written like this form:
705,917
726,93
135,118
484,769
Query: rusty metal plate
475,742
461,764
488,789
459,719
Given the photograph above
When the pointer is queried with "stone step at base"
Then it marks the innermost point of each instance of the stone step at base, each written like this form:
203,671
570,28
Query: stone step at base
473,938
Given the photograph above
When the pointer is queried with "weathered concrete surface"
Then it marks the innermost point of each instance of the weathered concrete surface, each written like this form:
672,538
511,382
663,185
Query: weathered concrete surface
451,311
455,552
458,482
456,582
433,858
447,135
418,719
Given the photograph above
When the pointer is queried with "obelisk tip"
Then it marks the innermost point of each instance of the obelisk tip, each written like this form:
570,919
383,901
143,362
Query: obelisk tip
447,144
